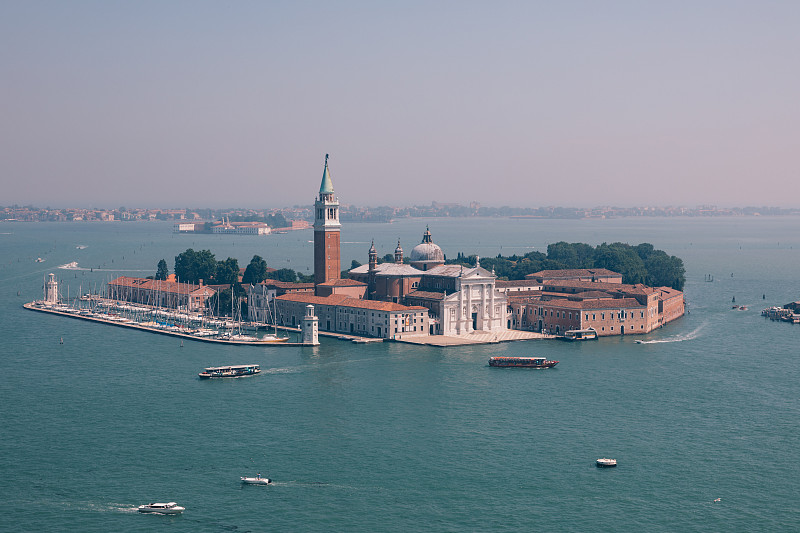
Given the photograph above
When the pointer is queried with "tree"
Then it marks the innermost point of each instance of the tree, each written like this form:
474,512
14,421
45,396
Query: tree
621,258
285,274
162,271
256,271
665,271
571,255
191,266
227,272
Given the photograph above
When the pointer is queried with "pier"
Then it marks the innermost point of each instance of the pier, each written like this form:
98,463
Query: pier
138,326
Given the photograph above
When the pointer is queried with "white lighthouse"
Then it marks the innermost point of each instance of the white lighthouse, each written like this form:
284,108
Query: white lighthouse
310,327
51,290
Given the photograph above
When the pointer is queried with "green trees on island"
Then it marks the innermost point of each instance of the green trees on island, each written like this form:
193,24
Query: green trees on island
191,266
256,271
161,270
637,264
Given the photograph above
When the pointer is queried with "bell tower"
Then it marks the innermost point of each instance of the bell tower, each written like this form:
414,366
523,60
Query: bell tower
327,260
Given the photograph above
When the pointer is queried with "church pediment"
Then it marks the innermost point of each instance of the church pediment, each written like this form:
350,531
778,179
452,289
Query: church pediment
477,273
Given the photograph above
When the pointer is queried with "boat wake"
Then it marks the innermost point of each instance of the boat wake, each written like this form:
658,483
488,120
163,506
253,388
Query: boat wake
678,338
110,507
74,266
281,371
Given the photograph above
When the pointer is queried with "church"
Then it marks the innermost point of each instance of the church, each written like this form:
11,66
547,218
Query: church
460,300
392,299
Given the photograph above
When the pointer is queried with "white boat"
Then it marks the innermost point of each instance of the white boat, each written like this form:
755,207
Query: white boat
258,480
161,508
606,463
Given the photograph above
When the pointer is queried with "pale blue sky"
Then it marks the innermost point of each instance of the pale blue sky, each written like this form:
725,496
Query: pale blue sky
192,103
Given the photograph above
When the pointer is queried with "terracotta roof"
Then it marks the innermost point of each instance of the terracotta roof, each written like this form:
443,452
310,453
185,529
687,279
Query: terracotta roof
519,295
286,284
615,303
346,301
160,285
669,292
573,273
500,283
596,285
589,295
343,283
426,295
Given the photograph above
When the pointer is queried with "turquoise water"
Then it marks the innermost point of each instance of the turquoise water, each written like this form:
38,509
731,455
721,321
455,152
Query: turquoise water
390,437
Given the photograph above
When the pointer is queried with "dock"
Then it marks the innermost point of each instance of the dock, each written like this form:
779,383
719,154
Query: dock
134,325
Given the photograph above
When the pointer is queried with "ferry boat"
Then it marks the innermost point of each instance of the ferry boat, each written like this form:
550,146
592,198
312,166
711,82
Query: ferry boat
233,371
521,362
161,508
581,335
606,463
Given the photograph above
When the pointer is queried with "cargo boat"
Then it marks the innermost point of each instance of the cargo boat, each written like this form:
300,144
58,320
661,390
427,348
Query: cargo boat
521,362
234,371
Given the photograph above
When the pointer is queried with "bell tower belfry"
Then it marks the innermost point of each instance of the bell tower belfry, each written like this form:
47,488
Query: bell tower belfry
327,259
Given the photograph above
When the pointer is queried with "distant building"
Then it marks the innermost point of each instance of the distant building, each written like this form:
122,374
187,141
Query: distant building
241,228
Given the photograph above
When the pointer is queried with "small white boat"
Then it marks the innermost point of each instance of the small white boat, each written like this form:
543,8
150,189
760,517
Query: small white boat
258,480
606,463
161,508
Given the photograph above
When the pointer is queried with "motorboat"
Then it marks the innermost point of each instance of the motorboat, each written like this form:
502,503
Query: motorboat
581,335
606,463
258,480
161,508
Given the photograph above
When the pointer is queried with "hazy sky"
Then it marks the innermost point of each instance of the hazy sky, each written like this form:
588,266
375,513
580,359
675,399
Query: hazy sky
192,103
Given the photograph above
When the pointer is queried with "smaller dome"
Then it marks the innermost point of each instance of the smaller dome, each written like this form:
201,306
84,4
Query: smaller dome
399,249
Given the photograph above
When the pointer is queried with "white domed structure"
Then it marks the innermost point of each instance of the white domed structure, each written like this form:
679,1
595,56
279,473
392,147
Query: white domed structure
426,255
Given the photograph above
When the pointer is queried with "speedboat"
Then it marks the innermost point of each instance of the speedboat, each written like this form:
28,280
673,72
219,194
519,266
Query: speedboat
258,480
161,508
606,463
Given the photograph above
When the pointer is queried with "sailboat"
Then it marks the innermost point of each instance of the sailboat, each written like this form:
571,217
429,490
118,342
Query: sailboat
273,337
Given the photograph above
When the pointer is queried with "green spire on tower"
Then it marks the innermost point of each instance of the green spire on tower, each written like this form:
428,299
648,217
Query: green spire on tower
327,185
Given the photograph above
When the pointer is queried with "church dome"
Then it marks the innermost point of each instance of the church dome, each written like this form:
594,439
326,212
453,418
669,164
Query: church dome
427,251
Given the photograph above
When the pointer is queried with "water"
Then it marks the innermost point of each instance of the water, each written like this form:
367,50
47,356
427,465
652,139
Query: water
392,437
